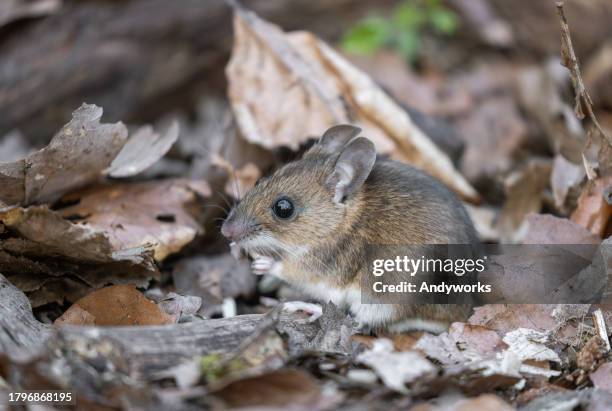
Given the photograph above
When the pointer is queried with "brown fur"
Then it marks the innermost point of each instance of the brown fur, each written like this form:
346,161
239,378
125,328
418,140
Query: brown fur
397,205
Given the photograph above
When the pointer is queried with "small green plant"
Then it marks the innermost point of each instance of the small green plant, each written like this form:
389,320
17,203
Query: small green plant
402,31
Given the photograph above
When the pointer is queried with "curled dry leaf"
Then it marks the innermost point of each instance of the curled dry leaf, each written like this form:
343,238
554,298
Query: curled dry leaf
76,155
594,211
45,234
113,306
153,214
287,88
81,153
396,369
142,150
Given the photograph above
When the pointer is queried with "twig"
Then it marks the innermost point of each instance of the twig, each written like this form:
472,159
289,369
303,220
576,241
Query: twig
570,61
600,327
583,99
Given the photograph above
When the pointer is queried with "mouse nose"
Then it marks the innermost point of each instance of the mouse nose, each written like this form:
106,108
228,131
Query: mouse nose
233,230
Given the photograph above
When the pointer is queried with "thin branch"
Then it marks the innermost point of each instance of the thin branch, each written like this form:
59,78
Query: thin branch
570,61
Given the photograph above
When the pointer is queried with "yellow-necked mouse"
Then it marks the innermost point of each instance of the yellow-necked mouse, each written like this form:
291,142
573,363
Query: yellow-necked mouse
311,221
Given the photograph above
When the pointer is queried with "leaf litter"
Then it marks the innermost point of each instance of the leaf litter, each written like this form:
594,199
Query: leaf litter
89,252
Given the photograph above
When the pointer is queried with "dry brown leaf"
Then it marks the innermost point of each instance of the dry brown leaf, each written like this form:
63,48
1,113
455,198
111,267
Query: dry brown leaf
113,306
548,229
524,189
239,181
494,132
274,389
461,344
591,354
45,233
135,215
142,150
286,88
503,318
484,402
593,211
76,155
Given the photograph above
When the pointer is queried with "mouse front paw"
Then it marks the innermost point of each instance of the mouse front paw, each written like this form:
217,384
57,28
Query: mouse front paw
314,311
266,265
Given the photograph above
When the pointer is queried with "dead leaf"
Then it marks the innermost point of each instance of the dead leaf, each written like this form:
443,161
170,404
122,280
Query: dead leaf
504,318
45,233
424,93
76,156
273,389
142,150
593,211
319,88
592,354
548,229
524,189
597,71
602,378
113,306
239,181
13,10
493,132
149,214
462,344
12,146
565,180
485,402
529,344
396,369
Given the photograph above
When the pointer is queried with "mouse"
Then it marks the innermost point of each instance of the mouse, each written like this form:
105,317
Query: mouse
314,222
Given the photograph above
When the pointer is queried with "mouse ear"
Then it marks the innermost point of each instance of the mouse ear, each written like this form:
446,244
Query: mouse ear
337,137
352,168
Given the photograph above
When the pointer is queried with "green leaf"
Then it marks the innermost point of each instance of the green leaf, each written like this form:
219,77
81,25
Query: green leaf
367,37
444,21
408,16
409,44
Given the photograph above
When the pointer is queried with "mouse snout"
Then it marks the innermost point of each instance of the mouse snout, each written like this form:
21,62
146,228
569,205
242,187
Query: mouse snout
234,229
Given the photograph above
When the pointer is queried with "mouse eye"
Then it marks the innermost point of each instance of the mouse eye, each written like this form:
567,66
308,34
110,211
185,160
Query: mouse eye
283,208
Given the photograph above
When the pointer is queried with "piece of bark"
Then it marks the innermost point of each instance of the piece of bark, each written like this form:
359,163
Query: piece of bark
20,333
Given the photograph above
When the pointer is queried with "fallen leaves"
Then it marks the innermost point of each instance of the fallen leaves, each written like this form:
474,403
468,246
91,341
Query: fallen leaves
148,214
593,211
396,368
274,389
76,155
79,154
112,306
319,88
